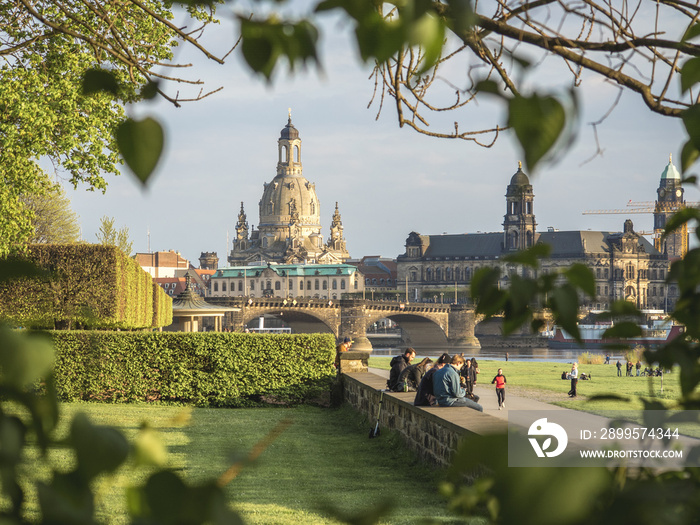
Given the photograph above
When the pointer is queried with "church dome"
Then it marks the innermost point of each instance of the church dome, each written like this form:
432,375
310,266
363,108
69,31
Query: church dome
519,179
289,196
670,172
289,131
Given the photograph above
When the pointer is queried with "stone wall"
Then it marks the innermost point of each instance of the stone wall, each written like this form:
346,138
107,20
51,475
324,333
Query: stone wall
433,432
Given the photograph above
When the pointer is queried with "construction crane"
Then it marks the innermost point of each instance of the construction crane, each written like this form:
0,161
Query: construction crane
654,207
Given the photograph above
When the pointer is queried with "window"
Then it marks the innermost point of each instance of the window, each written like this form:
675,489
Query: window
252,285
325,285
653,274
316,284
630,271
240,286
308,285
296,153
278,286
223,286
301,285
429,274
335,284
414,276
342,284
216,287
605,273
438,274
597,273
661,274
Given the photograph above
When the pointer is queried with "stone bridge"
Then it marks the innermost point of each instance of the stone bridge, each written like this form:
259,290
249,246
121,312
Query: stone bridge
426,325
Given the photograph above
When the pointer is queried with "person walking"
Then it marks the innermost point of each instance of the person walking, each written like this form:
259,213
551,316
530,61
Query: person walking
500,381
574,380
619,368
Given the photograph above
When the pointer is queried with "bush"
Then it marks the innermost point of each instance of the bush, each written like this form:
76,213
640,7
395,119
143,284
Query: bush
87,286
587,358
203,369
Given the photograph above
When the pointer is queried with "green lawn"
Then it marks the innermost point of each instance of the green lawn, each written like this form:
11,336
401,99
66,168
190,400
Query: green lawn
324,457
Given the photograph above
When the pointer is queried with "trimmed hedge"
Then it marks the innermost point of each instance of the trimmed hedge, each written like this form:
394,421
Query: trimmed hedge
203,369
87,285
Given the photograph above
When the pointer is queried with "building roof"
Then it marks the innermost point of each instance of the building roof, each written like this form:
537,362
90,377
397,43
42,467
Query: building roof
189,303
670,172
489,245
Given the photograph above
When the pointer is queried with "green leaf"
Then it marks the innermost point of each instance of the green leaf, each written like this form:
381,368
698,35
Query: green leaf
564,305
530,256
24,359
99,449
623,330
484,289
690,73
489,86
100,80
12,432
150,90
67,499
429,33
691,33
581,277
689,155
538,122
141,144
691,121
680,218
149,449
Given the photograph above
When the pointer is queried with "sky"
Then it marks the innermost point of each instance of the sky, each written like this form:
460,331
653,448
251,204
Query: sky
388,181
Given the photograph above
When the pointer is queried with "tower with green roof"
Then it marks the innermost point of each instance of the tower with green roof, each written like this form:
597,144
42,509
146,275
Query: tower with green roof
669,201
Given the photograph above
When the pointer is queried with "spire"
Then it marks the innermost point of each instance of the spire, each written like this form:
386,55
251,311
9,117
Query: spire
242,226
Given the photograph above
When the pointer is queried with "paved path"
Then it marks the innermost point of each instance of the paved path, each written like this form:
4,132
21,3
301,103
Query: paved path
487,399
577,421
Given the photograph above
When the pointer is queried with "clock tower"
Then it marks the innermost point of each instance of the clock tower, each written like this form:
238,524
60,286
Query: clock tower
519,221
669,200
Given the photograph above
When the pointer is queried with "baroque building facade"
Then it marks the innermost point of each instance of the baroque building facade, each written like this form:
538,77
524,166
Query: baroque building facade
313,281
625,264
290,217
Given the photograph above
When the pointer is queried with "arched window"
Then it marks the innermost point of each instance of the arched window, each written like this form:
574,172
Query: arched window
270,207
313,207
296,153
429,274
342,284
325,285
467,274
513,239
284,154
308,285
334,285
316,285
458,274
278,286
530,238
216,287
240,286
448,274
438,274
223,286
252,285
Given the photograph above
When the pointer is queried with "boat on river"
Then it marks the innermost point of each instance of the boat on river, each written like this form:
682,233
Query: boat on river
655,333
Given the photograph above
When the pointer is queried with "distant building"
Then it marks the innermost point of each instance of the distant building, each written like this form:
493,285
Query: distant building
163,264
379,273
208,261
625,264
319,281
290,217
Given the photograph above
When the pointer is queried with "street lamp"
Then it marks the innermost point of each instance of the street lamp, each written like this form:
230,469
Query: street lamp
442,295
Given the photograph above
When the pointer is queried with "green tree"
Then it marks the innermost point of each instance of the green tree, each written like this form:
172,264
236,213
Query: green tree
53,220
109,235
46,49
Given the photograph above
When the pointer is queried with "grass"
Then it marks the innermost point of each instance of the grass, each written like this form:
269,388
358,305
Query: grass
324,457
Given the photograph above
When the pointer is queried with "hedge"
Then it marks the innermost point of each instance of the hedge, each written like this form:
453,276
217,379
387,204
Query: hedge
203,369
86,285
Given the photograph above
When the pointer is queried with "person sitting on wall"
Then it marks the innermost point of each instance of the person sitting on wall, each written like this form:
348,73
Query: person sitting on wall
412,375
447,388
424,394
398,364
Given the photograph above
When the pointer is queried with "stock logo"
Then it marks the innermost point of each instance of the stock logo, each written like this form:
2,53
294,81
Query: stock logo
542,428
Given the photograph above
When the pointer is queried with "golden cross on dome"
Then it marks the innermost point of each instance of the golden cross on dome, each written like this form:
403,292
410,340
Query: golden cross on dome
520,165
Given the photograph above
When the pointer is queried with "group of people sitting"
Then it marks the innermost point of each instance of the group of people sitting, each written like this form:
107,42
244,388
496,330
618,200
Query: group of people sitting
447,382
